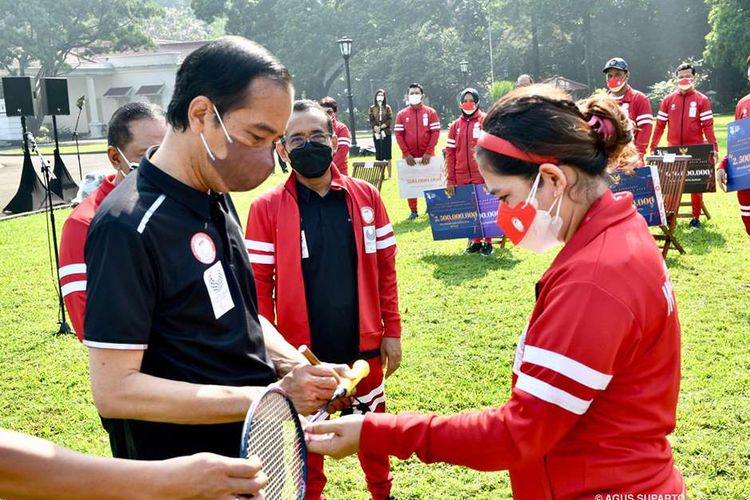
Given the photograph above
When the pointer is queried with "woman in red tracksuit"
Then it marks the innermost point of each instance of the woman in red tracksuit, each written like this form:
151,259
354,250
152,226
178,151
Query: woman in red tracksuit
459,154
597,369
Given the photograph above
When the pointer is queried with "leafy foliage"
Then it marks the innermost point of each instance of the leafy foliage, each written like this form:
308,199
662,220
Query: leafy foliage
499,89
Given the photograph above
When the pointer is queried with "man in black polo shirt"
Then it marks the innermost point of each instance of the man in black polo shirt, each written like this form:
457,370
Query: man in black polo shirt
177,350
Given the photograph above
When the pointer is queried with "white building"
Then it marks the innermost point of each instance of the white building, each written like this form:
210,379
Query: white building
110,80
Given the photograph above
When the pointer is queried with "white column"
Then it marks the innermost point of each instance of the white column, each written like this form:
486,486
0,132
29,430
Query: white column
96,127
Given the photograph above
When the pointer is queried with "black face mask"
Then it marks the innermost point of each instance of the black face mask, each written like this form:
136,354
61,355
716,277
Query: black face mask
311,160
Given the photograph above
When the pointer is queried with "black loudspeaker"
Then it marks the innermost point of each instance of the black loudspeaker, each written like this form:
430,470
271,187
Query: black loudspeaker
55,96
17,93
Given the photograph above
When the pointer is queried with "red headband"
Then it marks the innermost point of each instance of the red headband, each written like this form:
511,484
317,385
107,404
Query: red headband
501,146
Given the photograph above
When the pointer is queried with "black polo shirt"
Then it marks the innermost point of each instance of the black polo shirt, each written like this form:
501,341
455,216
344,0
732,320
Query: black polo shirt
168,273
329,268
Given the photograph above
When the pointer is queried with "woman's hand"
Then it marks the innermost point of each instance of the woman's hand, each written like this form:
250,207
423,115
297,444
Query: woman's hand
338,438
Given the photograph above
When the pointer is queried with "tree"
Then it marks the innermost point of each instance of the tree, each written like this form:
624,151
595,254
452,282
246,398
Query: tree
45,32
178,23
728,45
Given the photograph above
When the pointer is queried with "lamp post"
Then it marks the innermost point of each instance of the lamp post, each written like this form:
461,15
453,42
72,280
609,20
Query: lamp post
464,65
345,46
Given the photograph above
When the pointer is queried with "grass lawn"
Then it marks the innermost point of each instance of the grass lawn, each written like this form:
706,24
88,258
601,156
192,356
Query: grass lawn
462,316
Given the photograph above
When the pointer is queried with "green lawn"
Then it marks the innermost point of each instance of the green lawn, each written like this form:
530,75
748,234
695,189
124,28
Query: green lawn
461,316
97,147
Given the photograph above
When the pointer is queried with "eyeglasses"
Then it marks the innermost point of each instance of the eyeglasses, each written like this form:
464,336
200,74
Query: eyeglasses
298,141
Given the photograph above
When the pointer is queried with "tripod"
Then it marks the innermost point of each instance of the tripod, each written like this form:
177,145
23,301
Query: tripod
29,141
79,103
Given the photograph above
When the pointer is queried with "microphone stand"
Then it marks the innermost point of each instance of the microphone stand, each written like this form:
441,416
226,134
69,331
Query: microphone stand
64,327
75,138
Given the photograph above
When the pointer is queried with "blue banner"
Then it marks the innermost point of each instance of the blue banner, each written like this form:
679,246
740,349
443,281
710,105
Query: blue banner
644,184
738,155
487,207
469,213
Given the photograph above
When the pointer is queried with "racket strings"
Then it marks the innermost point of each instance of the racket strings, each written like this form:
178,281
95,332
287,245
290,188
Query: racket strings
273,436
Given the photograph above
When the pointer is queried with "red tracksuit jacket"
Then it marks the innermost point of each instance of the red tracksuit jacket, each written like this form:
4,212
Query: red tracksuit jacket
596,377
72,264
459,153
273,241
690,120
417,130
638,108
341,156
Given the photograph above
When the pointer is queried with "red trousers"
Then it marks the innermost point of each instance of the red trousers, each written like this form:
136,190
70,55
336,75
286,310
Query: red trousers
377,468
412,204
744,198
697,200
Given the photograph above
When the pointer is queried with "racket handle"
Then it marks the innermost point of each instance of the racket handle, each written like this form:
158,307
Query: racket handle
360,369
313,359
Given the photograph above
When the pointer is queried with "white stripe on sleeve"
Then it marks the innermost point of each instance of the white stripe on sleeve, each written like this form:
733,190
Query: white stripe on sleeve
382,231
566,366
72,269
259,246
72,287
261,259
551,394
150,212
382,245
111,345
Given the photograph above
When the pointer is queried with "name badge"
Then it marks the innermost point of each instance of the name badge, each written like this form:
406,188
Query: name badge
424,119
693,110
476,131
370,239
305,251
218,289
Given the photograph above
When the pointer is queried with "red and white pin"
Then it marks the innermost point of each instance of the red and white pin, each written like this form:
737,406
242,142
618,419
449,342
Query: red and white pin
203,248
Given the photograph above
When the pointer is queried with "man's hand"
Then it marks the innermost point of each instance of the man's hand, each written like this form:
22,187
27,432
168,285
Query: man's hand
310,387
390,354
426,159
410,160
721,176
450,190
208,476
376,129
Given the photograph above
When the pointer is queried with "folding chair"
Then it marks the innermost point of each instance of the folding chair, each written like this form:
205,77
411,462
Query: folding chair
370,171
672,175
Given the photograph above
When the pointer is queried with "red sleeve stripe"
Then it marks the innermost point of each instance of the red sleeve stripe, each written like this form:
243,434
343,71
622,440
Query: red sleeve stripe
71,269
552,394
567,367
72,287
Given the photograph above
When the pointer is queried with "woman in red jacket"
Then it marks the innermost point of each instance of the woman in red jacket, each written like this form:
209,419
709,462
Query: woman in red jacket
597,369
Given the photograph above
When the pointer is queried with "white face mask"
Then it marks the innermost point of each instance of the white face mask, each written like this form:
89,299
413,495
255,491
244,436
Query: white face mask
133,165
379,98
415,99
544,232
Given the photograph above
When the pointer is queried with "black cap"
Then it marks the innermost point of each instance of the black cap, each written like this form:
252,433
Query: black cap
616,63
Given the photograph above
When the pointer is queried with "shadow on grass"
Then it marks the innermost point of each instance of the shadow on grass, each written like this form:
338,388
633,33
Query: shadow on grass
700,241
454,270
409,226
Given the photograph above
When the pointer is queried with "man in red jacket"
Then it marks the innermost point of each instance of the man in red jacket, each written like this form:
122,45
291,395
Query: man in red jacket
133,128
690,119
632,102
459,154
417,131
324,257
743,196
342,133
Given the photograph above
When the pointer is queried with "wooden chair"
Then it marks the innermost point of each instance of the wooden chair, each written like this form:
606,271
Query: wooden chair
672,175
370,171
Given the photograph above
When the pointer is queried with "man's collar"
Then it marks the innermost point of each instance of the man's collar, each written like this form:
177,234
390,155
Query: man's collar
195,200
